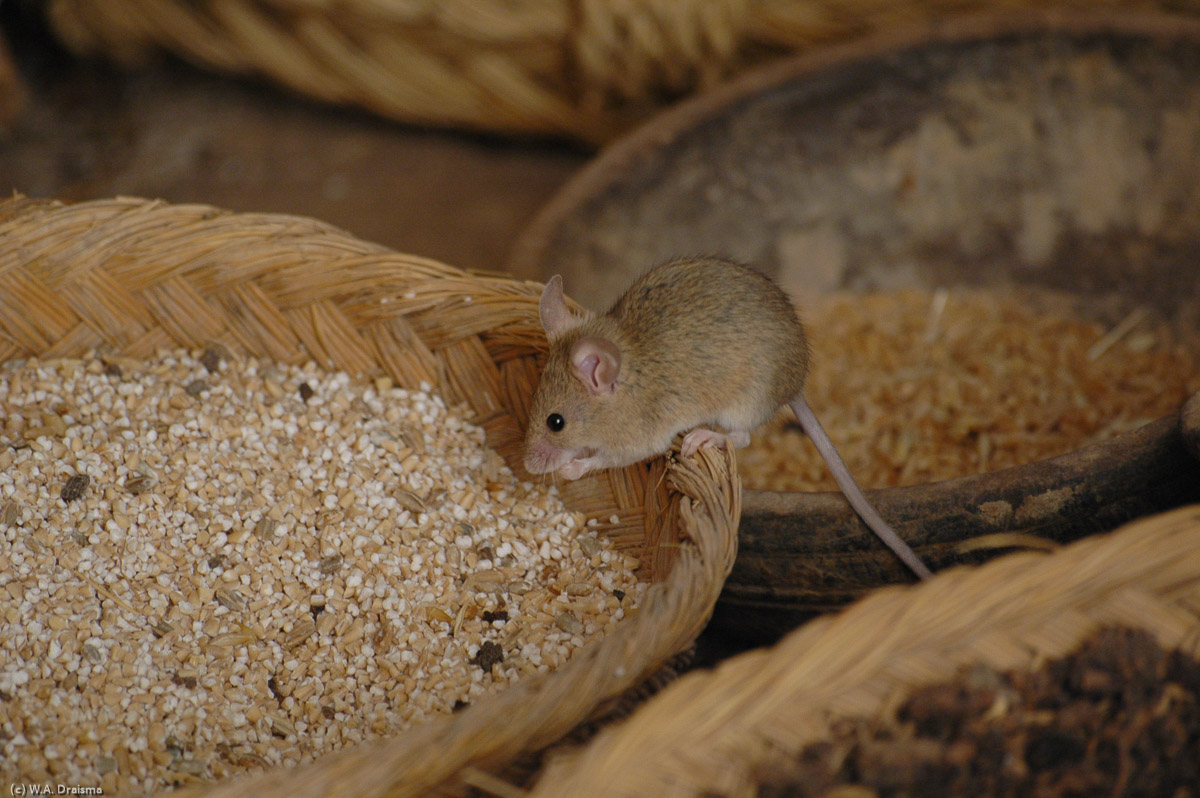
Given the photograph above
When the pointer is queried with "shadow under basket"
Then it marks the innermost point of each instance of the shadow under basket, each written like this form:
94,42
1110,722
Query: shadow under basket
963,153
132,277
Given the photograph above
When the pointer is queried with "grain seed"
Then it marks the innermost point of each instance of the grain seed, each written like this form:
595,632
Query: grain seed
230,598
265,528
568,623
232,639
489,655
75,487
281,726
211,359
409,500
300,633
192,767
139,483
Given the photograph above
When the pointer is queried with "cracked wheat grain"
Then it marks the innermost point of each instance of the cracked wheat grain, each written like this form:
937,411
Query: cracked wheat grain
209,566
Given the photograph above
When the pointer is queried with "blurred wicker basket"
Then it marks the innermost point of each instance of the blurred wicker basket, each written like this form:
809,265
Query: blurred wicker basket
584,69
131,277
710,733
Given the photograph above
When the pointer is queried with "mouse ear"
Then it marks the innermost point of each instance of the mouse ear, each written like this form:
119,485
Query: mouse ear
597,363
556,317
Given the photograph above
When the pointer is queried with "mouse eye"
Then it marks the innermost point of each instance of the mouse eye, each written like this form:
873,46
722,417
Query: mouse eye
555,422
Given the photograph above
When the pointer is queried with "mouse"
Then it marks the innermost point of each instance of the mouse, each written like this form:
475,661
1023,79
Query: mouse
702,346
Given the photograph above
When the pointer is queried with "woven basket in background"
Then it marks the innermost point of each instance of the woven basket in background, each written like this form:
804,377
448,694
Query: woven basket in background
133,277
583,69
712,733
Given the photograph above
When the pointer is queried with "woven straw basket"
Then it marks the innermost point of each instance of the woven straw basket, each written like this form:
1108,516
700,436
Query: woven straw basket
709,733
585,69
133,277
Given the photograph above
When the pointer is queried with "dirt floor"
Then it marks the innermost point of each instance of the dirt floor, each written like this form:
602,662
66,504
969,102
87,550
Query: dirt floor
87,131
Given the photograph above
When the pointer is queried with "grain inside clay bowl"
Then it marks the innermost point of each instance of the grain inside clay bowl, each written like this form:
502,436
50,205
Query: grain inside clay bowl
1056,152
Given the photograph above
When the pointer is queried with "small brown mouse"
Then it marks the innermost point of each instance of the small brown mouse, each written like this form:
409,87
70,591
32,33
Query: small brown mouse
692,343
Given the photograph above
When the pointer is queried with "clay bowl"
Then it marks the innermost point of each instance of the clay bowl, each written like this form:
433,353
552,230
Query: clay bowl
1052,151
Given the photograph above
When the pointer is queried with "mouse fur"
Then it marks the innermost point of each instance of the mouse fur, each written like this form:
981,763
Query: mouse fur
702,342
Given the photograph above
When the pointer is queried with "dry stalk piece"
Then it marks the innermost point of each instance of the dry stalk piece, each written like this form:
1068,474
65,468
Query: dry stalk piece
330,565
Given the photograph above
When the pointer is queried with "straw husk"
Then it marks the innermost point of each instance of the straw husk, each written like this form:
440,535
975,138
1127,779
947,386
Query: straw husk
709,733
582,69
131,277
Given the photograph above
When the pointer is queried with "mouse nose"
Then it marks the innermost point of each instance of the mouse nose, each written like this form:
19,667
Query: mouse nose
537,459
542,457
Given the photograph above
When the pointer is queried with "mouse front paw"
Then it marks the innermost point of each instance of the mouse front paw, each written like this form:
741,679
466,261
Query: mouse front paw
700,437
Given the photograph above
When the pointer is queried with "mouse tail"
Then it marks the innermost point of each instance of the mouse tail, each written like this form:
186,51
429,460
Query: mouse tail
858,501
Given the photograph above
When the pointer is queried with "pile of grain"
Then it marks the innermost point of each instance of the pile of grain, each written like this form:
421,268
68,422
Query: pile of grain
208,566
914,387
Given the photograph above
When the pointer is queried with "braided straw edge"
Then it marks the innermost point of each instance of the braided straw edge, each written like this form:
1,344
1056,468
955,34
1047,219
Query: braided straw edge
131,276
709,733
585,69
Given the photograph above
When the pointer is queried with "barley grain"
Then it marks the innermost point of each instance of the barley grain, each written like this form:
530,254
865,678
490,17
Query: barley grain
1003,378
568,623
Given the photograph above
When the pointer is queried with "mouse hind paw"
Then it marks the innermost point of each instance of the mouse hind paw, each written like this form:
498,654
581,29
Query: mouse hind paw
700,437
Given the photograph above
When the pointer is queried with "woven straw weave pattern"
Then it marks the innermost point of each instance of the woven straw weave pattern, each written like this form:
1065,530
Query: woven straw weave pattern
585,69
708,733
133,277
